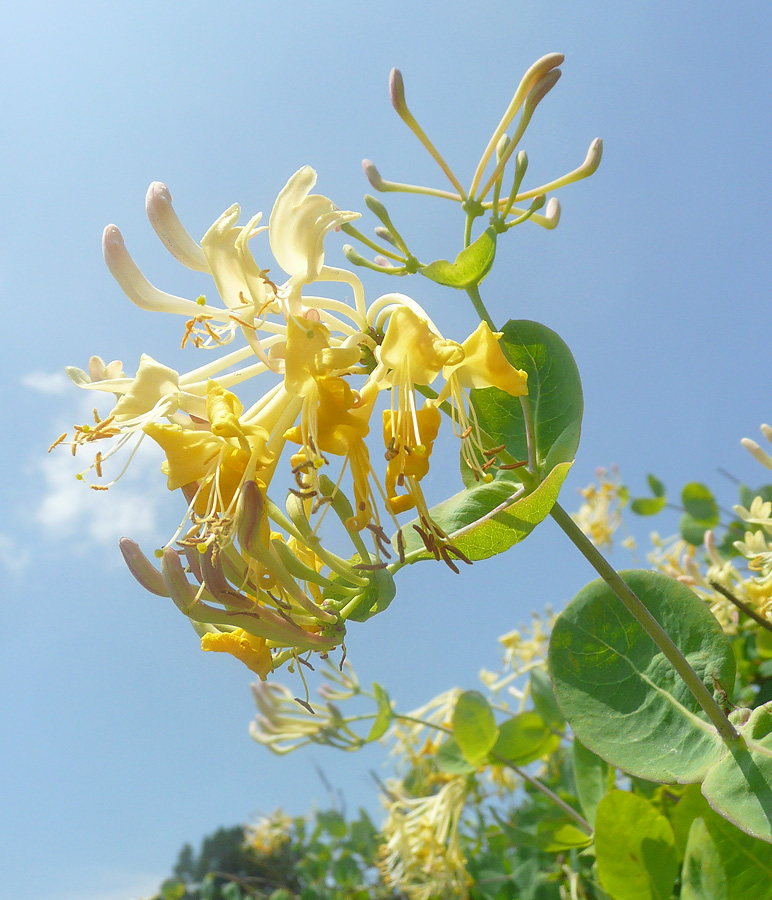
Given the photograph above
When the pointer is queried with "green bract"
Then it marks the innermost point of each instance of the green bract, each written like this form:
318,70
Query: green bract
470,267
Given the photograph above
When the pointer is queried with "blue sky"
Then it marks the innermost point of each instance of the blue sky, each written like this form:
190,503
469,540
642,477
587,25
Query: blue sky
121,739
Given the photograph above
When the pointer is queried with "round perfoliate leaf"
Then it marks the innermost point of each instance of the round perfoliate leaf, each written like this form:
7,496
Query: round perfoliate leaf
376,597
619,693
554,397
468,520
523,739
739,787
635,848
700,504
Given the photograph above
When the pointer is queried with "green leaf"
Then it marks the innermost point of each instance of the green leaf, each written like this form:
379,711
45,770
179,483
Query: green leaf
746,862
699,503
474,727
635,848
566,836
648,506
172,889
525,738
554,392
692,531
231,891
495,534
591,775
703,875
739,787
383,717
451,760
543,696
472,264
332,822
657,488
551,835
621,697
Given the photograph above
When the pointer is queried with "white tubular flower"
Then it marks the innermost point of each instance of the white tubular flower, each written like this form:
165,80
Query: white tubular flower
283,726
163,218
419,738
761,456
421,854
760,512
154,392
137,288
298,225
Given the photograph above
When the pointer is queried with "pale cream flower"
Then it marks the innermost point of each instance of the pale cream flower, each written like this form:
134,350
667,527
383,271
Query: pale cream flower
600,514
421,853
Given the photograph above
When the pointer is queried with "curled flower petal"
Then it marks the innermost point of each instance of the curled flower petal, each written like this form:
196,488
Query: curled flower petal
299,222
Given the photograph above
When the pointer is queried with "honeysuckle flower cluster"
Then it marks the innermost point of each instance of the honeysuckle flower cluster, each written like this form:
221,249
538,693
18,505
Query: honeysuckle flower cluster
255,579
600,515
421,854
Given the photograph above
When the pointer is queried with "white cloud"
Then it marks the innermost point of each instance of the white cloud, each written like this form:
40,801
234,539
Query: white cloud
54,383
14,557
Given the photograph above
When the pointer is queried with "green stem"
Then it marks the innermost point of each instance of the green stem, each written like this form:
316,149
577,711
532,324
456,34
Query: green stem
468,230
502,761
479,308
743,607
542,788
530,436
647,621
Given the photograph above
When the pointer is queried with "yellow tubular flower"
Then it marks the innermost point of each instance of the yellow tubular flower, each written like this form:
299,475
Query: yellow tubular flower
413,354
309,374
220,459
484,365
247,648
342,423
408,460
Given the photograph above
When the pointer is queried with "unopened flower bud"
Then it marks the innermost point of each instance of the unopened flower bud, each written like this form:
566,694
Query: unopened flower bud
397,91
385,235
142,569
372,174
757,453
540,91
